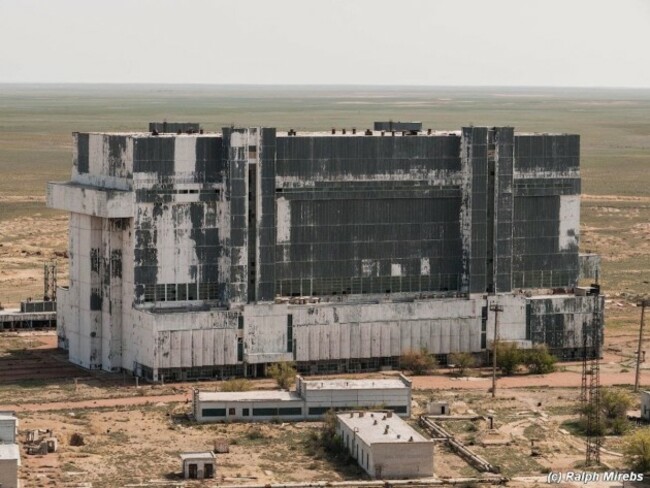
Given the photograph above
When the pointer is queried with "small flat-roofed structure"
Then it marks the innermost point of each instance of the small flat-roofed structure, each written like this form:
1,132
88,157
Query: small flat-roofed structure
439,407
8,427
9,463
645,405
198,465
247,405
390,393
311,400
385,446
31,315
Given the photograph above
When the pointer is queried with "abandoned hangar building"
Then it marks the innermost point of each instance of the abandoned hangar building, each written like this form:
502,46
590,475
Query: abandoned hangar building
199,254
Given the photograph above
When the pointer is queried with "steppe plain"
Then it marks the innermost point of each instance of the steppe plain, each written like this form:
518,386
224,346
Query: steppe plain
133,435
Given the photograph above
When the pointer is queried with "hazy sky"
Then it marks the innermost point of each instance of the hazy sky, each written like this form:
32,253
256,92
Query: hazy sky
419,42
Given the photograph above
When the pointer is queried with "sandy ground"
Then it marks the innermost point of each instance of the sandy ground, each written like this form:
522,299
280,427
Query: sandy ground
26,244
133,435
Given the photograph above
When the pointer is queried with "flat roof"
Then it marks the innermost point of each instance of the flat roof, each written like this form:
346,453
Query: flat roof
248,396
378,427
4,416
15,312
356,384
9,452
197,455
324,133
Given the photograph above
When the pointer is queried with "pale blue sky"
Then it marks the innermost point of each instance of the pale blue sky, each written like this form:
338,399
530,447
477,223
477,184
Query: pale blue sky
418,42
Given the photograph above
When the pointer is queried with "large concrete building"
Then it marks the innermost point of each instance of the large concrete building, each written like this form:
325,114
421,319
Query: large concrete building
208,254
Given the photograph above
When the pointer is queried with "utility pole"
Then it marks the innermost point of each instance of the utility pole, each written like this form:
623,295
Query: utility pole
496,309
643,304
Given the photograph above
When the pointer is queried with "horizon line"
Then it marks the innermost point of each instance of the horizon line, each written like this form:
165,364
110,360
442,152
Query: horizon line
313,85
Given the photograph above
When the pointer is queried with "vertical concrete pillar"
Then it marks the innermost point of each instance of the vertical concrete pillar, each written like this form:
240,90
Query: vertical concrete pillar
235,150
504,146
473,160
266,236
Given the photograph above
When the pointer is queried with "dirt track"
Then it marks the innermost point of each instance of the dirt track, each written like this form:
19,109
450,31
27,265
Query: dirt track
555,380
103,402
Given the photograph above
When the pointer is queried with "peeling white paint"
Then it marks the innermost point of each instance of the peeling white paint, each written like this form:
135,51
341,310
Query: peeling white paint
369,267
569,222
283,220
425,267
184,154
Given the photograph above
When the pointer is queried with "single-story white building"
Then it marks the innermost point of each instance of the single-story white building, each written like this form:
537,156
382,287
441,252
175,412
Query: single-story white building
645,405
439,407
9,463
385,446
8,427
310,401
199,465
247,405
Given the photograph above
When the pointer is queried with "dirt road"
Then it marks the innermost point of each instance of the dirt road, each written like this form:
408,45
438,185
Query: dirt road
565,379
102,402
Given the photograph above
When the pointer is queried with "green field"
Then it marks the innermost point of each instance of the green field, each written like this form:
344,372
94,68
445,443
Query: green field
36,122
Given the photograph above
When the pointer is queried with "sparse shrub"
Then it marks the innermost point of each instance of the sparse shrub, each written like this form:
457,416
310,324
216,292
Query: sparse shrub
255,434
509,357
637,450
538,360
284,374
77,439
418,362
615,403
619,426
236,384
462,361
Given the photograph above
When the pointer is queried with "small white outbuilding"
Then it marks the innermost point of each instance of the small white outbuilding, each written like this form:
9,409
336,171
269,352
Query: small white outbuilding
199,465
645,405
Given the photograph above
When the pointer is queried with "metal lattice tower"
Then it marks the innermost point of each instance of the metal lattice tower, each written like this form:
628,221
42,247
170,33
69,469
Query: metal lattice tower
584,392
49,281
592,406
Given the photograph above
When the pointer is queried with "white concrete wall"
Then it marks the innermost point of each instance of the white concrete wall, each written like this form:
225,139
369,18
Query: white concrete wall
239,406
200,465
512,320
380,330
9,473
391,460
406,460
103,171
90,200
569,218
83,326
645,405
7,431
265,334
354,398
181,340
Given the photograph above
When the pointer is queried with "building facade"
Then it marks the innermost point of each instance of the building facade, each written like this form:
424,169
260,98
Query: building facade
202,255
310,401
385,446
9,451
198,465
